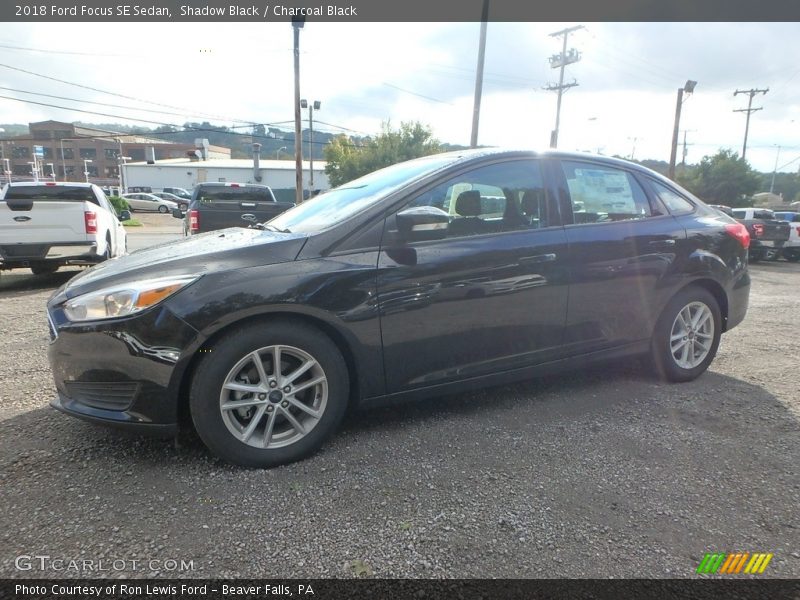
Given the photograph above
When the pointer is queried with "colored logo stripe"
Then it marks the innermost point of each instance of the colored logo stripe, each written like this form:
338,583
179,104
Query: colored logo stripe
732,564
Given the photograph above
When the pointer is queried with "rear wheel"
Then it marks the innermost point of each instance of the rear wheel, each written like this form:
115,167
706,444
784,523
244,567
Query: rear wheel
792,255
686,337
44,269
162,209
269,394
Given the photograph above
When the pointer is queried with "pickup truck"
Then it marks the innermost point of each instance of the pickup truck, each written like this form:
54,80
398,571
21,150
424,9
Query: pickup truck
220,205
791,249
768,235
44,226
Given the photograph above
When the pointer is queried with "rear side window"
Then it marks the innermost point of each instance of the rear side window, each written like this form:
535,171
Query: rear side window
51,193
602,194
675,203
763,214
739,214
234,195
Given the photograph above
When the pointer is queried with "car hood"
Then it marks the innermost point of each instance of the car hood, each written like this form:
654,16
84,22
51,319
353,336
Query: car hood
215,251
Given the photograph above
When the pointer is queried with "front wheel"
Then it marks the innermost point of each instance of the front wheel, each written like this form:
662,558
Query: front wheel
269,393
162,209
686,337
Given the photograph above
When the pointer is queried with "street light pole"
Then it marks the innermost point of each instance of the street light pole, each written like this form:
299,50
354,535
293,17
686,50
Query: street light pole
311,106
278,152
688,88
297,24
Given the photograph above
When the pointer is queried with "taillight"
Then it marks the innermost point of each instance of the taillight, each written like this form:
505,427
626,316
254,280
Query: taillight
90,221
194,220
758,228
740,233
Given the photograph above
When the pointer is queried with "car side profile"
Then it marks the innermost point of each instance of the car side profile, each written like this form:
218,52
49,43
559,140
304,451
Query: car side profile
149,202
433,276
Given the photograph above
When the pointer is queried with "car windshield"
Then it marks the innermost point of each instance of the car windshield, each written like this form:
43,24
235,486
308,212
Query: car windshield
338,205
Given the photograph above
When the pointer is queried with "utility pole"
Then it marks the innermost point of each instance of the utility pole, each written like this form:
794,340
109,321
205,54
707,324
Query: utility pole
689,89
297,24
476,106
685,150
775,170
560,61
748,110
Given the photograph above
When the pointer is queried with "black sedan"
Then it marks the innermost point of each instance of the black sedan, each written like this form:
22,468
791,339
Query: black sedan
436,275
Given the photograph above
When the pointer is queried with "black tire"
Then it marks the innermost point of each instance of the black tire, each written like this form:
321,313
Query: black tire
791,255
665,364
44,269
162,209
225,359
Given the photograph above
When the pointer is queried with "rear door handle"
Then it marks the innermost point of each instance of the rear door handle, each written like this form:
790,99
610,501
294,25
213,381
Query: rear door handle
539,258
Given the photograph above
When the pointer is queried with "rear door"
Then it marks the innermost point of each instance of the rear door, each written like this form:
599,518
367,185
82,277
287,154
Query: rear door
622,247
44,214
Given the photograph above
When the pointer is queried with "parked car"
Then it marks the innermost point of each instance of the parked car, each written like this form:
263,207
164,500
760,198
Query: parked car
44,226
377,291
149,202
180,192
768,235
220,205
182,203
791,249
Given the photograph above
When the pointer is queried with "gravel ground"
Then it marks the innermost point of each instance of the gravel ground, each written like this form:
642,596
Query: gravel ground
603,473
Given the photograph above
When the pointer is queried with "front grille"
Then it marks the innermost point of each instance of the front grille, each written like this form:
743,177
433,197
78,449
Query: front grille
25,250
112,395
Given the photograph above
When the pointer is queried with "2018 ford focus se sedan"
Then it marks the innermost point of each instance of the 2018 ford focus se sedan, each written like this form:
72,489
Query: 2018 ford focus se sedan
435,275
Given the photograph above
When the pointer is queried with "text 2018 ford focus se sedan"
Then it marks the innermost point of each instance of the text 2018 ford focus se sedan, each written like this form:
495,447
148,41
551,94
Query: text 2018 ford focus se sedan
436,275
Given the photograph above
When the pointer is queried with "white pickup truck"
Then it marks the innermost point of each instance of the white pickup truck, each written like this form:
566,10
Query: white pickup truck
44,226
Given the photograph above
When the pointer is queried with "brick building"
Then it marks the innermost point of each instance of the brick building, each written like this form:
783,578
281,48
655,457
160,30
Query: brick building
102,147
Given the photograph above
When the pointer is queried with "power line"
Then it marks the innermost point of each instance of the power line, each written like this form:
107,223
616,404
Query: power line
135,99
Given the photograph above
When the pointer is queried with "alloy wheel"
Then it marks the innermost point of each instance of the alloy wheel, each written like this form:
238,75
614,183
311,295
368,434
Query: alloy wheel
692,335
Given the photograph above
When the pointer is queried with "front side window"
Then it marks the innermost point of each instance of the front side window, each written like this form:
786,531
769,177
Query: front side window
505,196
675,203
600,193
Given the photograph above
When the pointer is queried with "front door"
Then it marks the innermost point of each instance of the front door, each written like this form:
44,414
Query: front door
489,297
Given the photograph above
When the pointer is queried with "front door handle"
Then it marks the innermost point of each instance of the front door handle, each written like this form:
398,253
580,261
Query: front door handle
669,242
539,258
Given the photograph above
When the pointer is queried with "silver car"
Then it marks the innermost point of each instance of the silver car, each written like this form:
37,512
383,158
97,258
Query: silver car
182,203
149,202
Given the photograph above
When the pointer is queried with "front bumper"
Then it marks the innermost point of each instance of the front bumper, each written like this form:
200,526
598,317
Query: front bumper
121,372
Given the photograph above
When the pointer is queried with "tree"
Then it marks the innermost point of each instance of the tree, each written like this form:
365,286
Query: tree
724,178
348,161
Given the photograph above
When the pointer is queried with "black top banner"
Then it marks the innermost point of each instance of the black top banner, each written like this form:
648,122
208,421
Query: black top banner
396,10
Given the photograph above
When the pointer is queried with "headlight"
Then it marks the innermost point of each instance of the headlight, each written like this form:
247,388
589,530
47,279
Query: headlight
123,300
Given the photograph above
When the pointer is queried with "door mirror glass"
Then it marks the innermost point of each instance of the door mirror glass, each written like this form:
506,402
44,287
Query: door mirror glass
422,223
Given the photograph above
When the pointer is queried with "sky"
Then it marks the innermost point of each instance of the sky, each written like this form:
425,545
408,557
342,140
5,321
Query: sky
368,73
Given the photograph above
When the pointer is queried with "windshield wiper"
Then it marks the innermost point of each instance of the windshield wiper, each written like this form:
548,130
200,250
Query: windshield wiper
269,227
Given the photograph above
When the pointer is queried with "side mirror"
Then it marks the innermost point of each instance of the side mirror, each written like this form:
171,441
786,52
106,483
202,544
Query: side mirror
422,223
125,215
177,213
